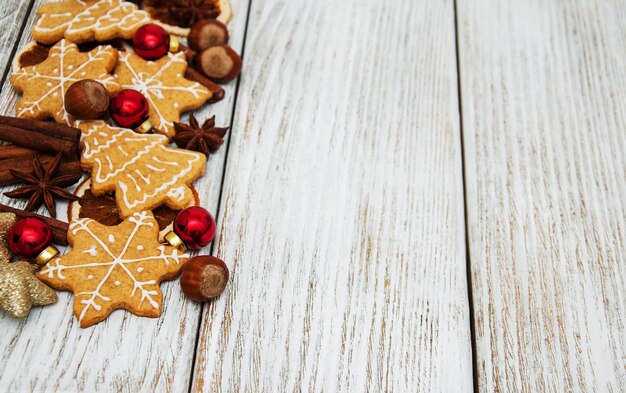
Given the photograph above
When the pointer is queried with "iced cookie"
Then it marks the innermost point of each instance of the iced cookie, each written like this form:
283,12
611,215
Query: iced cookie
44,85
114,267
139,168
88,20
163,84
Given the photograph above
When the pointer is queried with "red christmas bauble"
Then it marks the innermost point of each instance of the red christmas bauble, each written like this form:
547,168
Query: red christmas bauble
151,42
129,108
195,226
28,237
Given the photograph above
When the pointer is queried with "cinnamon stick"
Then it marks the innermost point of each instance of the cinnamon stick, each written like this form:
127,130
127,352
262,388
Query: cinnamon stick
51,129
217,93
25,164
10,151
59,228
33,139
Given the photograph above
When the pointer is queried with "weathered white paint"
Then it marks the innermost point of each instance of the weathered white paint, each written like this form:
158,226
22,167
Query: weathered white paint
544,98
342,211
49,352
12,13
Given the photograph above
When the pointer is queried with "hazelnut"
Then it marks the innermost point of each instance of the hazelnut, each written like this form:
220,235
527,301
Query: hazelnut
203,278
219,63
207,33
86,99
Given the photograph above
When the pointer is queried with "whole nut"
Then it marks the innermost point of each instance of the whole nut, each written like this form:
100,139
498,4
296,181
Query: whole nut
203,278
219,63
86,99
207,33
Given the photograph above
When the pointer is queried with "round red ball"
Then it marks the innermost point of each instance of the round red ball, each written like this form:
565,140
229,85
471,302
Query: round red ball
151,42
28,237
129,108
195,226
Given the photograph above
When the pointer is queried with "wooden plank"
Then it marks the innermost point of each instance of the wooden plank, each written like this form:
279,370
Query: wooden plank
342,210
49,352
543,98
12,13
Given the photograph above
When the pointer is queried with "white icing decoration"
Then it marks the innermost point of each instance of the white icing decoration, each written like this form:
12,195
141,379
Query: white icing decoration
59,83
95,149
166,255
152,87
111,238
177,193
92,251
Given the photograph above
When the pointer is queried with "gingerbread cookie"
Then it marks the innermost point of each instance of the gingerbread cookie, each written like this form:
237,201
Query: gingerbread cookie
44,85
142,171
103,208
164,86
114,267
87,20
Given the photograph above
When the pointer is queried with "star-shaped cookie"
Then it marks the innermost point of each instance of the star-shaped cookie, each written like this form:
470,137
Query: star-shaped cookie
114,267
164,86
88,20
44,85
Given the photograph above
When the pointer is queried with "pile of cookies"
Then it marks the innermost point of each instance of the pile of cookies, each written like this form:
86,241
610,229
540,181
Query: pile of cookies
103,87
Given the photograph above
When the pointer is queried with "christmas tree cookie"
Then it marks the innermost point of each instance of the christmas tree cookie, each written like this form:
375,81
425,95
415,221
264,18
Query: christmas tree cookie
88,20
139,168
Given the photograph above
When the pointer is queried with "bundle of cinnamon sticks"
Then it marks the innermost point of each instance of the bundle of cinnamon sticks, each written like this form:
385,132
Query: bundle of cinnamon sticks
33,137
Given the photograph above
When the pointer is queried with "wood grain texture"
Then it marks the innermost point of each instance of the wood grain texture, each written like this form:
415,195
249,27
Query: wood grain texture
543,95
49,352
12,13
342,212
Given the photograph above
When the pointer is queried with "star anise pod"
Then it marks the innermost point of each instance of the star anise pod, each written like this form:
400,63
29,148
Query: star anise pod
184,13
206,139
43,185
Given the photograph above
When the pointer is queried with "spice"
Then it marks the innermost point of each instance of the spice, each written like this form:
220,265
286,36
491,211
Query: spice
43,185
206,138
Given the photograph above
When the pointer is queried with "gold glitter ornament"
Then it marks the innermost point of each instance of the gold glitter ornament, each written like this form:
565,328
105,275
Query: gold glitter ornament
6,222
19,288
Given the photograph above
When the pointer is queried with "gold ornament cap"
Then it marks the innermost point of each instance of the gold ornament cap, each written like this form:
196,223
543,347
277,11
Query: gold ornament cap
174,43
146,126
175,241
46,255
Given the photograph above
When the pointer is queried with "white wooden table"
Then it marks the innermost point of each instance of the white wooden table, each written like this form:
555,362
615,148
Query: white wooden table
416,195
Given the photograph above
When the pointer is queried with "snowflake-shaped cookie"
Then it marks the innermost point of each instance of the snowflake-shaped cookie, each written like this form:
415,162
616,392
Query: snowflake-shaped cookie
44,85
164,86
88,20
114,267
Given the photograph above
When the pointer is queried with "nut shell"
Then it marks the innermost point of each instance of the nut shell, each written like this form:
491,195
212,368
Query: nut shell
207,33
86,99
219,63
203,278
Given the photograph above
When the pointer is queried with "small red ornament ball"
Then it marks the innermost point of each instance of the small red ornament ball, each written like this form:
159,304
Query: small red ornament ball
151,42
195,226
28,237
129,108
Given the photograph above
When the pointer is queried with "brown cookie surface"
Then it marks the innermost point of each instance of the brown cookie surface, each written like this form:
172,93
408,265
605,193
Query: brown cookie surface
44,85
113,267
